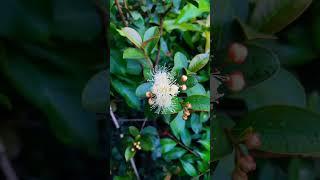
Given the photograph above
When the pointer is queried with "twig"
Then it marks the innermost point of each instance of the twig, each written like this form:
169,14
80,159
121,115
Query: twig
131,120
197,177
144,123
182,145
121,13
160,34
133,164
6,167
159,43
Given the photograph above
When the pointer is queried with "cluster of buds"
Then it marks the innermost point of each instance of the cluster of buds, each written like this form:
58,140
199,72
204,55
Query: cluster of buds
136,146
245,164
252,140
186,112
237,53
184,78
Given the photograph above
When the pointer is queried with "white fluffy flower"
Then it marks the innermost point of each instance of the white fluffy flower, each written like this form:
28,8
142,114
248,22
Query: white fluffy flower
163,90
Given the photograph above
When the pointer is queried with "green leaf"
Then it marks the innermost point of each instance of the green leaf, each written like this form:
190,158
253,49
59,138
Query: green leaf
117,63
143,89
224,167
189,168
167,144
196,125
134,131
177,125
149,130
198,62
128,153
221,144
147,143
94,95
251,33
170,25
284,129
273,88
175,153
205,155
199,102
151,38
260,65
203,166
133,53
126,91
205,144
132,35
191,81
133,67
272,15
204,117
188,12
185,137
180,62
197,89
289,54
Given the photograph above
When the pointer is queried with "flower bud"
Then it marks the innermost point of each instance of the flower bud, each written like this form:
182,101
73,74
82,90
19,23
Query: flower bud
183,87
236,81
252,141
150,101
132,149
237,53
238,174
186,113
148,94
184,78
247,163
184,117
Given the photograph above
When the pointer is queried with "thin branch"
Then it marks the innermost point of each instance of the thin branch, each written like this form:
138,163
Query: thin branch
144,123
159,43
121,13
6,167
133,164
182,145
160,33
205,172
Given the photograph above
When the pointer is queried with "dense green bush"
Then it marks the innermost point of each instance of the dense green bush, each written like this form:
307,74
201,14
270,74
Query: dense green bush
160,48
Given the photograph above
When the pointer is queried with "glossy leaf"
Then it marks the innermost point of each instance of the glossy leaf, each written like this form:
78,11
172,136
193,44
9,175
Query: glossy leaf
272,15
134,131
143,89
198,62
167,144
133,53
273,88
177,125
199,102
132,35
94,95
189,168
128,153
284,129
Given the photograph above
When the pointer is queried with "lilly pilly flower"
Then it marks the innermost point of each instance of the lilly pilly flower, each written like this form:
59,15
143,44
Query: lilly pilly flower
163,90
